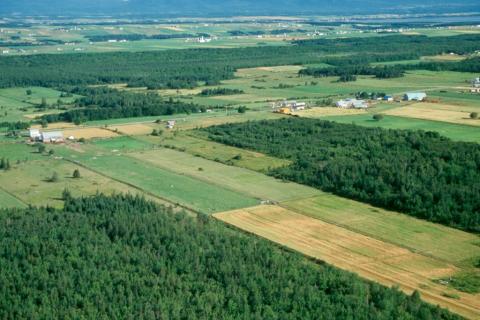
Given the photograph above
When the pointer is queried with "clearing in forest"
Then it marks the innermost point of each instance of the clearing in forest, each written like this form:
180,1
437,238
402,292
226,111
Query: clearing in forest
370,258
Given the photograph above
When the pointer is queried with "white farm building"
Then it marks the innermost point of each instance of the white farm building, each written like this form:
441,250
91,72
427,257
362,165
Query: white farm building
415,96
352,103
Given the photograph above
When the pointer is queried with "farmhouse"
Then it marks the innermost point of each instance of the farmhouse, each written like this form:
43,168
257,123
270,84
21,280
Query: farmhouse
170,124
415,96
352,103
52,137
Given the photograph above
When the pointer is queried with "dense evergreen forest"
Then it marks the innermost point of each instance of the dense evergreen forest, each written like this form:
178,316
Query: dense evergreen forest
101,103
415,172
122,257
185,68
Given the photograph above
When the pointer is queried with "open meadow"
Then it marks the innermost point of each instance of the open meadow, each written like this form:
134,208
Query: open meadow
175,188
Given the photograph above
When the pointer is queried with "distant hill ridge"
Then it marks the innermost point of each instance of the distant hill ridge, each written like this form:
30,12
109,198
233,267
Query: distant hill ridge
233,7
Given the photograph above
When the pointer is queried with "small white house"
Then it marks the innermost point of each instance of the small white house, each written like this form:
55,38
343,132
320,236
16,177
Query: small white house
170,124
415,96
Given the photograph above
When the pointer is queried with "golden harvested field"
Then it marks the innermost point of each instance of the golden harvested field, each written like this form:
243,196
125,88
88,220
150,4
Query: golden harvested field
370,258
133,129
328,111
89,133
455,246
435,112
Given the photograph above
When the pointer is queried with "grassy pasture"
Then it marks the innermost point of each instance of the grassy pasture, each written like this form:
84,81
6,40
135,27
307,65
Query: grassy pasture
207,149
9,201
14,99
122,144
18,151
28,181
370,258
240,180
162,183
453,131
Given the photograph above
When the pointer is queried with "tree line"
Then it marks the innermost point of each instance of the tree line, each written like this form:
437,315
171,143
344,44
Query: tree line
124,257
220,92
418,173
187,68
101,103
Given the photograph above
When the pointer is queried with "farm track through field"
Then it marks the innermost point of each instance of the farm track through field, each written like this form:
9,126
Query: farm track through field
370,258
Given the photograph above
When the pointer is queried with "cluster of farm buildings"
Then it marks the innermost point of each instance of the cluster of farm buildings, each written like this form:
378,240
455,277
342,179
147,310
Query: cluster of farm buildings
47,137
289,106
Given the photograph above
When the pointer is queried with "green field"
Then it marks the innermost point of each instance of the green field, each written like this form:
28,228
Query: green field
455,132
214,151
173,187
28,181
15,151
16,104
122,144
251,183
9,201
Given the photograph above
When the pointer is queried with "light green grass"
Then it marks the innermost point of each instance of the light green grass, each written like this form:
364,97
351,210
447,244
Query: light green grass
122,144
18,151
9,201
219,152
455,132
175,187
251,183
28,181
15,103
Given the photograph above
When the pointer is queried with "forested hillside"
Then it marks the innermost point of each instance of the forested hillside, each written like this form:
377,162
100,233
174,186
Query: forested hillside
124,257
185,68
418,173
